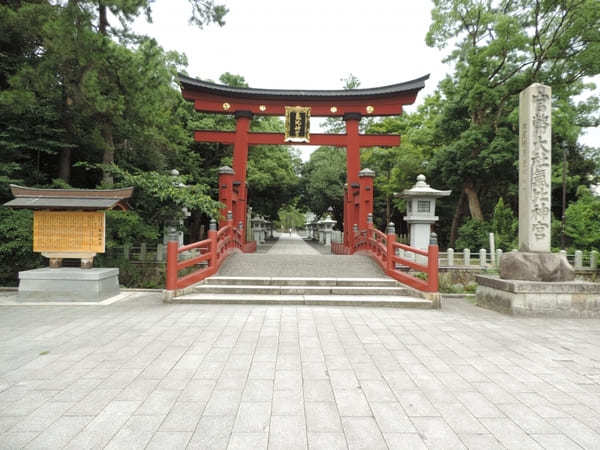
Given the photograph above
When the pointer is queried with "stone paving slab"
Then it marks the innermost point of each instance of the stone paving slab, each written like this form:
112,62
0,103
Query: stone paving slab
10,298
144,374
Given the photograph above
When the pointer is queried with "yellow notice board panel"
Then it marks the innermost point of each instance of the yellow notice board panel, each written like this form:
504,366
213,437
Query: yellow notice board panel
68,231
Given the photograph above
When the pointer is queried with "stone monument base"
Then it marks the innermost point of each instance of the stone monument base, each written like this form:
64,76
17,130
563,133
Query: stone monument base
68,284
537,298
536,266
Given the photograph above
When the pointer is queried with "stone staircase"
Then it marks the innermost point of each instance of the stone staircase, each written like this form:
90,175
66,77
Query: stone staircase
305,291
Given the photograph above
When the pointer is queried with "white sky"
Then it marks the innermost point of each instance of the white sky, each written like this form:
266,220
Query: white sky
310,44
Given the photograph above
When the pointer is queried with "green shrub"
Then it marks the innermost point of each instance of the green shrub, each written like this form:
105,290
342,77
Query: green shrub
582,221
143,275
16,245
127,228
474,234
505,226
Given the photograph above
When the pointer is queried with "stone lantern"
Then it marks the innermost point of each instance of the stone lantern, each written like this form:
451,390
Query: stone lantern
328,224
256,229
308,224
420,211
320,231
308,227
314,230
263,229
269,231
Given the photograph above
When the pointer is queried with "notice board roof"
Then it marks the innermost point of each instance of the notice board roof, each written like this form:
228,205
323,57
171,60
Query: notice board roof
87,199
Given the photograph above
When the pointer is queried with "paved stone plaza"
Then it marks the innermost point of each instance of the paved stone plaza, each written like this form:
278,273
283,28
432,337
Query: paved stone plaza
143,374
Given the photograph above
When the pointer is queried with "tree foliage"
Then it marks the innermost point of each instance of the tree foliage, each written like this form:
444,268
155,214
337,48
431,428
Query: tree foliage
16,245
289,216
78,89
583,221
500,48
323,177
161,198
75,87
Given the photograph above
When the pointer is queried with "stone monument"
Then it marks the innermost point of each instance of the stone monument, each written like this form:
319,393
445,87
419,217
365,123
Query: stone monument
68,223
533,280
534,261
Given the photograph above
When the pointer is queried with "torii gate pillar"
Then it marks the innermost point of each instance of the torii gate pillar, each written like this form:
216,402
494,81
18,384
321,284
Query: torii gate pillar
351,206
240,165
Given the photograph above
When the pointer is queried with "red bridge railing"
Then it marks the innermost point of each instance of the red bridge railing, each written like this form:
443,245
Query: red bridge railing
337,248
212,252
383,248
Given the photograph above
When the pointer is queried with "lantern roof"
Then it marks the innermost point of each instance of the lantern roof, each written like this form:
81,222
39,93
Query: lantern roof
422,189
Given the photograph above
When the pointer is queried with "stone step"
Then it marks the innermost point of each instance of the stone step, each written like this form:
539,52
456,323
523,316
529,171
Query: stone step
301,281
301,290
324,300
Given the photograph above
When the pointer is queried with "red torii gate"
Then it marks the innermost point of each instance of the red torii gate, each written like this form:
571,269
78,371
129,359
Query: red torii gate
351,105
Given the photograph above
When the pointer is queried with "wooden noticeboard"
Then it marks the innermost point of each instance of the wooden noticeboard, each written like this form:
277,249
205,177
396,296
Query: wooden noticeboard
68,231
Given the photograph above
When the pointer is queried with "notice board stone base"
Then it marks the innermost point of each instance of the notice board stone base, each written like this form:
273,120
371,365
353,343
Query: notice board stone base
68,284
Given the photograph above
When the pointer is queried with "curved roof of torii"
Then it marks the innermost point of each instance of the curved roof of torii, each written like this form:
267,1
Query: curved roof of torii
194,84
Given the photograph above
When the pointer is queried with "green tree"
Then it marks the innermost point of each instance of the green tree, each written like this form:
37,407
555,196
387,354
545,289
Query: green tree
473,234
16,245
160,198
91,90
323,178
273,171
396,168
289,216
505,226
501,48
32,132
583,221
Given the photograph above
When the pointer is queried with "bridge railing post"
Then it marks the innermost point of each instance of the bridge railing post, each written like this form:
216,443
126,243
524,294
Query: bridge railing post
230,232
391,240
212,235
370,235
172,258
432,264
241,231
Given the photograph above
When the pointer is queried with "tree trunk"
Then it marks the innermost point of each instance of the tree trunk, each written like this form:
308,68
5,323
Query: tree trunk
65,154
102,19
458,213
107,133
109,152
474,205
64,165
388,211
